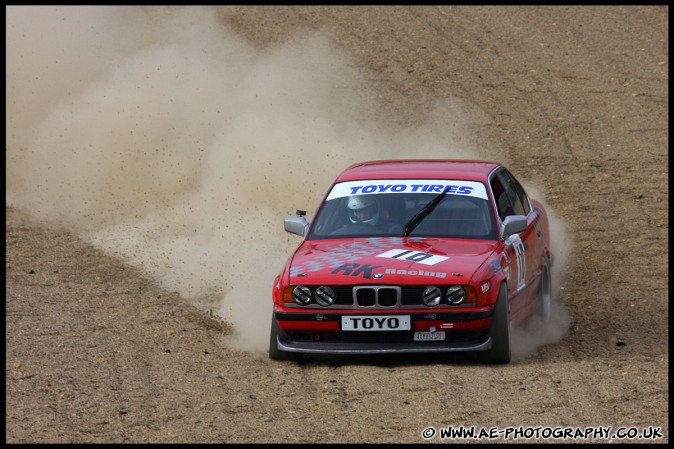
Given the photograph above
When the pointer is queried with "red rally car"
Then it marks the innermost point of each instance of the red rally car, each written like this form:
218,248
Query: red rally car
408,256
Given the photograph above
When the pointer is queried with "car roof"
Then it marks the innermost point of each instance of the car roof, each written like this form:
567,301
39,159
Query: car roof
472,170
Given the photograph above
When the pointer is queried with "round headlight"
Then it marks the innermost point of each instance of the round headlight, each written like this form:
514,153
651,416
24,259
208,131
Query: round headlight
325,296
302,295
431,296
455,295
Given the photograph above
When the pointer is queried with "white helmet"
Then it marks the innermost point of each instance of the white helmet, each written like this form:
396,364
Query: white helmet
363,209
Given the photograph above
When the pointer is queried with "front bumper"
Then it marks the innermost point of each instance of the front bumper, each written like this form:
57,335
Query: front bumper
376,348
318,332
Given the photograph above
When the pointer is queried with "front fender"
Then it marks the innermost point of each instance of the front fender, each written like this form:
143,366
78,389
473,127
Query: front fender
277,291
488,278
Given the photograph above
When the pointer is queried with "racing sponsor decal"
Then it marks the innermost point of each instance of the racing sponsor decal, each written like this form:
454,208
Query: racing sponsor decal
376,323
368,187
342,254
437,274
356,269
521,259
413,256
495,265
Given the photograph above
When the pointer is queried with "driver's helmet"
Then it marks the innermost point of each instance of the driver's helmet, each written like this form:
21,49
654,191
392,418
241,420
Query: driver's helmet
363,209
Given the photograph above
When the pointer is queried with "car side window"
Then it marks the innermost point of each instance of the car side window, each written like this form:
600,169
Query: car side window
514,192
519,190
522,194
503,205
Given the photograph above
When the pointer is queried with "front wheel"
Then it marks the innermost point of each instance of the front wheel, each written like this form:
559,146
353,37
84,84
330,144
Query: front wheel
274,352
500,330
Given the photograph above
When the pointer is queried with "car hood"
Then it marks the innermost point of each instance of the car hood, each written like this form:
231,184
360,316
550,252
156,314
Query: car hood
388,260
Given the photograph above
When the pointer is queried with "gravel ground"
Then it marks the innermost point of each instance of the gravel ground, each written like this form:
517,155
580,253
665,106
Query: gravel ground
573,99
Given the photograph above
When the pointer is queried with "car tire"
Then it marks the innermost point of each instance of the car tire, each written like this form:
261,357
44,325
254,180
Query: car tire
500,330
274,352
544,305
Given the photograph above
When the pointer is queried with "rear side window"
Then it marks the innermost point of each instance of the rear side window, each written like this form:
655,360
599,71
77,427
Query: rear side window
514,186
509,195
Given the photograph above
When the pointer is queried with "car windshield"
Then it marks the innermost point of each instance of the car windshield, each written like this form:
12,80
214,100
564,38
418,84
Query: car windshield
384,208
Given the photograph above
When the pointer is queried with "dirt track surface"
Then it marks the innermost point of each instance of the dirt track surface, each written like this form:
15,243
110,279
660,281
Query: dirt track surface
576,98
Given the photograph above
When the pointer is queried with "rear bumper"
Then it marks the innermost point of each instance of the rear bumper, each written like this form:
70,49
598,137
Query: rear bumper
320,333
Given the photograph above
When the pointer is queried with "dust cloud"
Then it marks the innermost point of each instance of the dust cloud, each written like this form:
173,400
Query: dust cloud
533,334
163,138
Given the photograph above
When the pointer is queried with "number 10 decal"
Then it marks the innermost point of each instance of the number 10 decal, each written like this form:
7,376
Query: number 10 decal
413,256
521,260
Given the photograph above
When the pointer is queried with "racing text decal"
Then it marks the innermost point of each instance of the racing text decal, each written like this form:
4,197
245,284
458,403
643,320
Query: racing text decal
366,187
355,269
437,274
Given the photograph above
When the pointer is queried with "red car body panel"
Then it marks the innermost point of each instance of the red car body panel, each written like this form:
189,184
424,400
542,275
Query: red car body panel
419,168
340,261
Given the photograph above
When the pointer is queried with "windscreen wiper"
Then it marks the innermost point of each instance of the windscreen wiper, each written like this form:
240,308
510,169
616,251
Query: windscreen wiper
424,212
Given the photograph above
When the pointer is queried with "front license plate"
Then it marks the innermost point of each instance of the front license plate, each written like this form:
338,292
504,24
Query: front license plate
376,323
429,336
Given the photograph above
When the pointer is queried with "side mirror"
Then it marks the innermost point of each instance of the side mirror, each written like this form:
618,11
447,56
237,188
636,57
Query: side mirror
296,225
514,224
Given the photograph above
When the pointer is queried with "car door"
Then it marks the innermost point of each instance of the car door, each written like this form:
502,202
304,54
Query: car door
511,199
